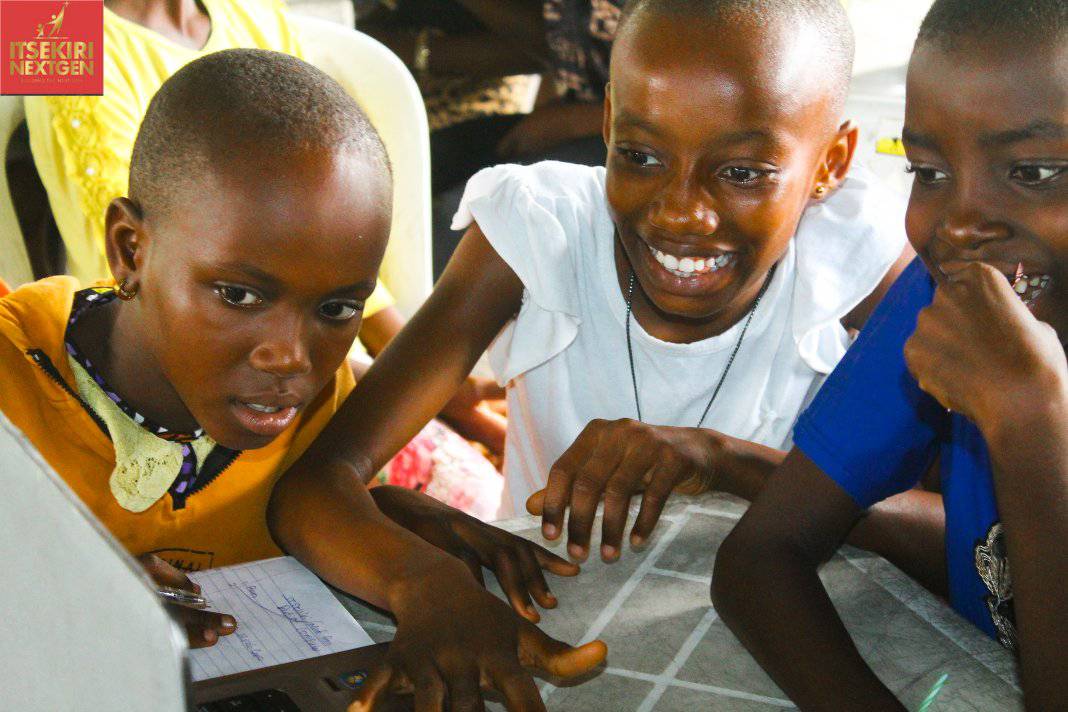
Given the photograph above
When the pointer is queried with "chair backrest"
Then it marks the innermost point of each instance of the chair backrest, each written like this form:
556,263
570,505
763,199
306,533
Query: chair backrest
387,92
14,262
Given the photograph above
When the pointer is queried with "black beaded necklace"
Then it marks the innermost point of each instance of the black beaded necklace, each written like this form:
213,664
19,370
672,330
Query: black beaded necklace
730,361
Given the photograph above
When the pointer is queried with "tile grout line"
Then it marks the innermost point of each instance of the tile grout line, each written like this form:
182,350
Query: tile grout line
610,611
695,578
699,687
937,625
680,659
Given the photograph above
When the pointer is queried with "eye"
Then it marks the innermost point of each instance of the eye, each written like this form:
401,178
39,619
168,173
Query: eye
639,158
238,296
340,310
742,175
1034,174
926,175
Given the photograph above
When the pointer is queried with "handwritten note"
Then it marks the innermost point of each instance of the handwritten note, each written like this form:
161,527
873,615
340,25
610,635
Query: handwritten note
283,611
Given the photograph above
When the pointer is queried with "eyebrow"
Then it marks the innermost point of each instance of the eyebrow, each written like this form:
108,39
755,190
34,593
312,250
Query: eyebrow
270,280
1037,130
918,140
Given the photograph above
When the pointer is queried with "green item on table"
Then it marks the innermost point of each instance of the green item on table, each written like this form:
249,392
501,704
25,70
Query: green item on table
935,689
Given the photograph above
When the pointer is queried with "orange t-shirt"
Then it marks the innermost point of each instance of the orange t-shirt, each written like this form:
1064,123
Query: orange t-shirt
223,523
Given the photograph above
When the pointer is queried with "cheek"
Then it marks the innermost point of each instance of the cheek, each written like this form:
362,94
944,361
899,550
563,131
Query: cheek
920,220
627,198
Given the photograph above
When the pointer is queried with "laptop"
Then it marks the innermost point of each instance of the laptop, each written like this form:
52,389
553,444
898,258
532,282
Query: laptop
83,627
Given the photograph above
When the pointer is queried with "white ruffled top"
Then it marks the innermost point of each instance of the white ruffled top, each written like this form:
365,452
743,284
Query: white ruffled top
564,356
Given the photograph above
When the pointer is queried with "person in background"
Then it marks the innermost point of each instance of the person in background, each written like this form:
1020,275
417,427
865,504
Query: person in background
567,41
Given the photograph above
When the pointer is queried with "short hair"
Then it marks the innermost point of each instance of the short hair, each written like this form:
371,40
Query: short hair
828,17
236,104
1039,22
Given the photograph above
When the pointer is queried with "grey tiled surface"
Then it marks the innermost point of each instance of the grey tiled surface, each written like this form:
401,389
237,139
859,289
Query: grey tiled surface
669,652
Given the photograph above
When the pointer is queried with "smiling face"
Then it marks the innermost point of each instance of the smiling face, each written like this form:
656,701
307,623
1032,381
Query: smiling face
991,164
715,149
249,301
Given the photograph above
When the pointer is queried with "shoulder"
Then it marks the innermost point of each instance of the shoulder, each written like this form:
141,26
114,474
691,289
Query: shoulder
549,185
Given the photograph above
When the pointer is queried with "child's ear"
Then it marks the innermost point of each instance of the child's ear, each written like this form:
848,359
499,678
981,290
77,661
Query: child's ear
606,121
124,240
836,160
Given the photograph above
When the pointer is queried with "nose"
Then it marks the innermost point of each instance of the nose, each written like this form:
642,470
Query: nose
284,351
967,226
683,208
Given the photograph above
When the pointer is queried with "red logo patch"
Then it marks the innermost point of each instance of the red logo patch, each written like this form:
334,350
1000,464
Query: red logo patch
52,47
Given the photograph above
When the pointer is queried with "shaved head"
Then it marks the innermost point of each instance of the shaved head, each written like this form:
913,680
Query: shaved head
822,24
230,108
1035,22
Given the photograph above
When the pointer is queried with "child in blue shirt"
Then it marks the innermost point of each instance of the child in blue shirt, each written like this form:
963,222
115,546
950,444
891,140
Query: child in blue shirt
962,367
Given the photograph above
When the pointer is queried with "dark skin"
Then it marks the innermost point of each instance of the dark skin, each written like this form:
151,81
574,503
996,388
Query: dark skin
475,297
258,309
991,192
185,22
727,167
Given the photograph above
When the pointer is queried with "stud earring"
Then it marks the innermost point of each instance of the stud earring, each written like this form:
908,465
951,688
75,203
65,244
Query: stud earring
125,293
821,190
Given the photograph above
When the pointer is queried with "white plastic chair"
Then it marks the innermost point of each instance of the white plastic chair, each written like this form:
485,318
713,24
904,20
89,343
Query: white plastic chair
387,92
14,261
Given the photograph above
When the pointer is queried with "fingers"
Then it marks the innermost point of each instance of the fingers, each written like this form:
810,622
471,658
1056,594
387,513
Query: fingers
536,503
531,570
465,694
519,691
204,627
557,492
661,483
548,655
553,563
373,690
165,574
429,692
586,490
616,507
509,575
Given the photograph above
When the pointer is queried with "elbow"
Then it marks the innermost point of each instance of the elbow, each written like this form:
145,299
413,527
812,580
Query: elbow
732,577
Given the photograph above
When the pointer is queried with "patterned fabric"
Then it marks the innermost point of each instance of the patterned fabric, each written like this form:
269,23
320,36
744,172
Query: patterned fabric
448,468
579,34
186,479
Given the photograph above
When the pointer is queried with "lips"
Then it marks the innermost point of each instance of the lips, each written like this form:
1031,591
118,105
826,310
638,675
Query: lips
267,417
1029,281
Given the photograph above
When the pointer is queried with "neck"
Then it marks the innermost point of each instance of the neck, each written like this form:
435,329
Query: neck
676,329
112,338
182,21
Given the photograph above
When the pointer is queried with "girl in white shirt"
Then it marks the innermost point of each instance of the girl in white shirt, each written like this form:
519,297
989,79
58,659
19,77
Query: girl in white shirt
660,322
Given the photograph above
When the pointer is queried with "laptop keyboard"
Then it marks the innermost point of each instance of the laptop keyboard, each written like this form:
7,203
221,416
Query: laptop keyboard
262,701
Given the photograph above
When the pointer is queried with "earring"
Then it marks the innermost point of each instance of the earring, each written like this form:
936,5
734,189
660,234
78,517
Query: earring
821,190
125,293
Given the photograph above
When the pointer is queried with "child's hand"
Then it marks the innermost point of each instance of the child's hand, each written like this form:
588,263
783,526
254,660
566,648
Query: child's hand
202,627
615,460
517,563
456,639
477,412
980,352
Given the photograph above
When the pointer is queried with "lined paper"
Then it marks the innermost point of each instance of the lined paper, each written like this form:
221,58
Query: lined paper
283,611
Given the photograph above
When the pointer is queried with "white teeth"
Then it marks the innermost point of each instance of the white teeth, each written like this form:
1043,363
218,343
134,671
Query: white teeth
262,408
687,266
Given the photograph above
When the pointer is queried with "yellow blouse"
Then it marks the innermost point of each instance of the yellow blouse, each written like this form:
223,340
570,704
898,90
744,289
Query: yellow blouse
82,144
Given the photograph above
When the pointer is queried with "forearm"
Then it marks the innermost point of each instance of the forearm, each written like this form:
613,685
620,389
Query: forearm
332,525
908,530
1029,452
774,602
741,467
